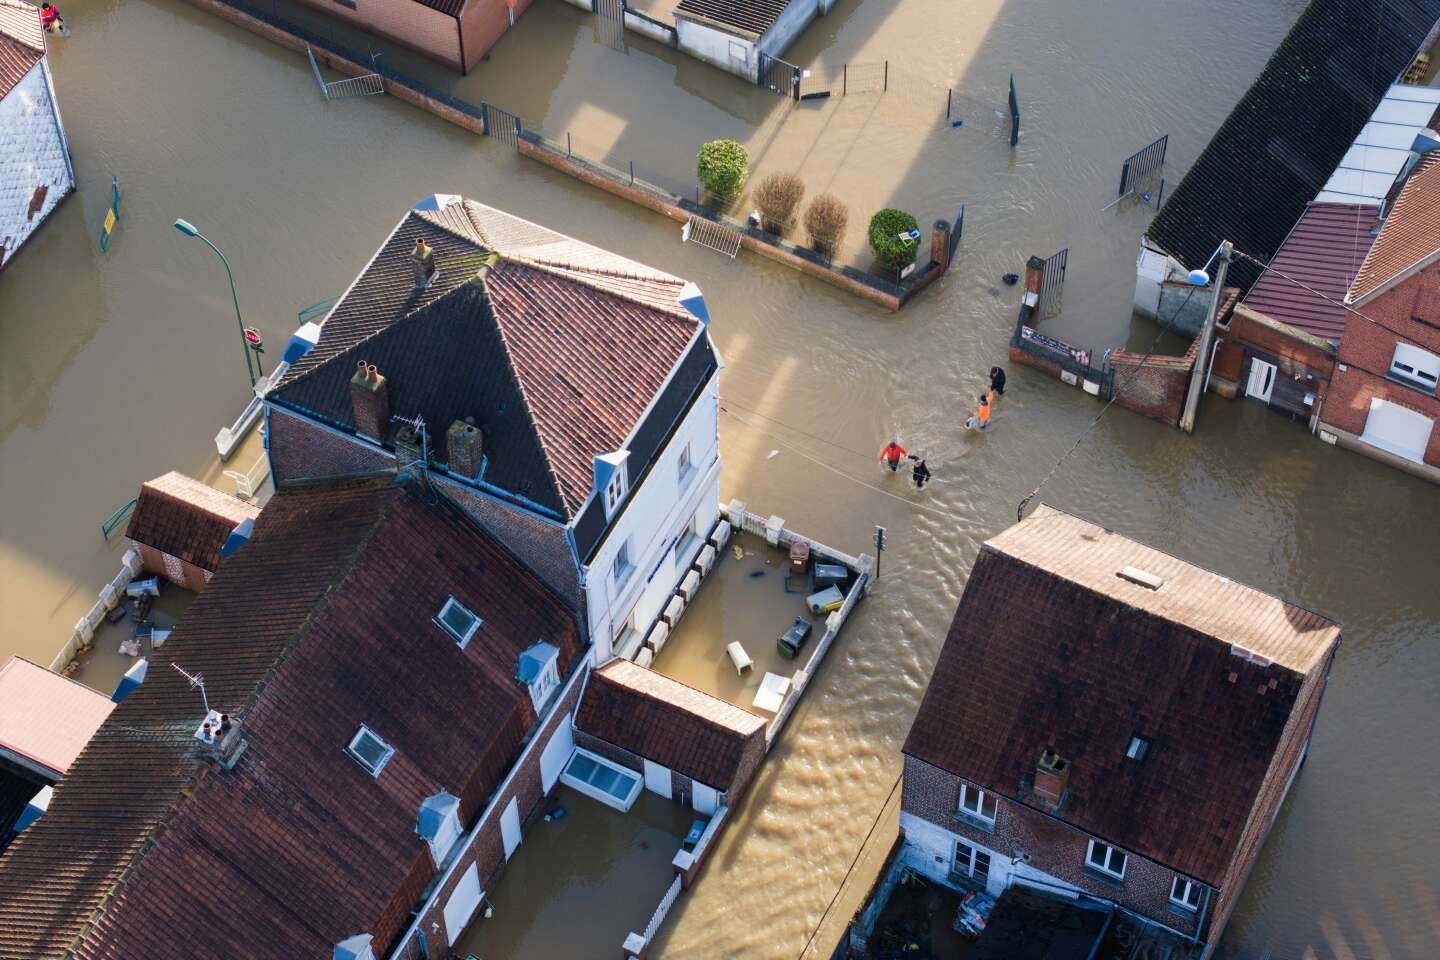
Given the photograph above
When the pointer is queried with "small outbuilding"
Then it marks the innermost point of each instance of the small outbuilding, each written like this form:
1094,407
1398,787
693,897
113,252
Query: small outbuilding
734,34
180,526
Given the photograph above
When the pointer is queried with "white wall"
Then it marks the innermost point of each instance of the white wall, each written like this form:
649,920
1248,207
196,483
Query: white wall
930,851
792,20
1152,268
32,152
714,47
655,514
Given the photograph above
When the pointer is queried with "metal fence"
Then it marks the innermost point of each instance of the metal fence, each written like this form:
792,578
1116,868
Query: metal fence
502,124
1052,286
779,77
1142,165
610,23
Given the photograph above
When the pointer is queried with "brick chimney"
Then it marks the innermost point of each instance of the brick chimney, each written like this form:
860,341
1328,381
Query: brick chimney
370,398
465,448
1052,774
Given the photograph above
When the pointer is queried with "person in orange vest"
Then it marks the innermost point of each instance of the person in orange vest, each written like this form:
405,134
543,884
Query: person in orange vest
892,454
980,419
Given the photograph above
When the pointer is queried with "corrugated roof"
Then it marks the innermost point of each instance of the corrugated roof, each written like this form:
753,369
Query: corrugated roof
1410,235
46,718
1379,153
187,519
751,17
667,722
1291,129
1050,649
320,623
22,42
1324,251
451,8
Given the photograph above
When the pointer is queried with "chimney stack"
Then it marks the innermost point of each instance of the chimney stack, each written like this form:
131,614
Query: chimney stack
464,446
1052,774
422,258
370,398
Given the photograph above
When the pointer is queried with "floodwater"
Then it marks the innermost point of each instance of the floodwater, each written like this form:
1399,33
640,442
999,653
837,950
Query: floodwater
117,367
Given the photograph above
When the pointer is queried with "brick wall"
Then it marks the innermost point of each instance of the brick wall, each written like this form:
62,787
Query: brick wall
1055,848
542,545
482,23
191,577
1290,752
413,25
1251,332
300,450
682,789
1156,389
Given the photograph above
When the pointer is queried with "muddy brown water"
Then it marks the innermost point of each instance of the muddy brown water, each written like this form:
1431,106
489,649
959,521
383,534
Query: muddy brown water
117,367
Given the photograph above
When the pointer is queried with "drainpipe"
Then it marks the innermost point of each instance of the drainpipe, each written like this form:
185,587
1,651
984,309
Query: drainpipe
1200,373
1200,920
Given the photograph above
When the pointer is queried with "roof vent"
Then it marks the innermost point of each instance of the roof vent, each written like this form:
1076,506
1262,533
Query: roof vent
1141,578
1052,774
1137,749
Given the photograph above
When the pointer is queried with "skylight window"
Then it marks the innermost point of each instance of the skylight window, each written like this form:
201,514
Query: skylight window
1137,749
370,751
458,622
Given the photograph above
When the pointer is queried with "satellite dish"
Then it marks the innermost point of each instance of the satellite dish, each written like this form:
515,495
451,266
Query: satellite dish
1199,278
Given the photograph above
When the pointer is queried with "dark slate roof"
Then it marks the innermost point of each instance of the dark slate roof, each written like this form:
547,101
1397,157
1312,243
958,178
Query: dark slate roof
667,722
1324,251
751,17
321,622
187,519
1050,648
557,354
1291,129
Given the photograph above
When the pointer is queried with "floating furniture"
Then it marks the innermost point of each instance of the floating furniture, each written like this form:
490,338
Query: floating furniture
739,657
673,609
794,638
705,561
771,693
144,588
826,600
689,585
721,536
799,556
656,639
644,658
830,575
692,839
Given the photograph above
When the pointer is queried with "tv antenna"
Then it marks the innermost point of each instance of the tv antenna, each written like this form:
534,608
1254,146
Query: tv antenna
417,424
197,682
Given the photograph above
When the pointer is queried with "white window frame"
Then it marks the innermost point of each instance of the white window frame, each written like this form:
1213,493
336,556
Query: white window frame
684,468
624,567
360,734
543,687
459,638
1185,887
614,491
1104,865
1415,366
976,812
610,800
445,837
968,870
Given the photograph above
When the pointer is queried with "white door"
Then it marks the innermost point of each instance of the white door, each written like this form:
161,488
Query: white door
1400,430
705,800
556,754
1262,379
510,827
657,779
462,904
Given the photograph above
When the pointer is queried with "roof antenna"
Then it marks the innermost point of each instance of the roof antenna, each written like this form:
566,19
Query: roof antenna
196,682
417,425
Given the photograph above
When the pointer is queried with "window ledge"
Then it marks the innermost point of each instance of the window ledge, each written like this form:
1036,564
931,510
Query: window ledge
686,477
1180,910
1095,873
970,820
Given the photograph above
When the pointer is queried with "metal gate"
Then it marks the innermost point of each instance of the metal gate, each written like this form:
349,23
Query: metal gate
1142,165
780,77
502,124
610,23
1052,286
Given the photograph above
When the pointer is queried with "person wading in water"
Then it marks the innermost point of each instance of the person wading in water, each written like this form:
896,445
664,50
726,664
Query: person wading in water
892,454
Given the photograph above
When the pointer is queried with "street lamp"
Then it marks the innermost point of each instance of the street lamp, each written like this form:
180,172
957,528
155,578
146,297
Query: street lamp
188,228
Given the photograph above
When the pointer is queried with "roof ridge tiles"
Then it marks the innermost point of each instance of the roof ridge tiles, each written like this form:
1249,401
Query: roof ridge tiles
583,274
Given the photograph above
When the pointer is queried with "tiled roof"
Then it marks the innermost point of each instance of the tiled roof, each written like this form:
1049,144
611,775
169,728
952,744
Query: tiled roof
1291,129
22,42
557,355
748,16
321,622
667,722
1324,251
1410,235
1049,648
46,718
187,519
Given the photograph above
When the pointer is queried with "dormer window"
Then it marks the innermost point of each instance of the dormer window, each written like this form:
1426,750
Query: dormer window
458,622
539,670
1137,749
358,947
439,824
611,479
370,751
614,492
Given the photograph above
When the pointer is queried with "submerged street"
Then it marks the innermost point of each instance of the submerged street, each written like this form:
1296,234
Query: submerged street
121,366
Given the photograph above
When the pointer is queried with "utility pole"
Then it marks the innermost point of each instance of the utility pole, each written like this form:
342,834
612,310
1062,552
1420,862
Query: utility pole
1207,334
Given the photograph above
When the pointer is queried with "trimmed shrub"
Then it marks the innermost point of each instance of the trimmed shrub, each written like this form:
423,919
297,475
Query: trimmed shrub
825,220
777,196
721,167
885,229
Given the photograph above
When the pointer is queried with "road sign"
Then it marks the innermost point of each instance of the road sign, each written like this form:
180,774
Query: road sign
252,337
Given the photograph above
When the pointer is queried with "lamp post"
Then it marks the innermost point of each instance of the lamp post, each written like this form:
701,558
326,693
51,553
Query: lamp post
187,228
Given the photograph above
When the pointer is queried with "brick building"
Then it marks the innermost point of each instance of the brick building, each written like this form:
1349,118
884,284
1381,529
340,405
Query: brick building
457,33
180,526
1383,402
1111,722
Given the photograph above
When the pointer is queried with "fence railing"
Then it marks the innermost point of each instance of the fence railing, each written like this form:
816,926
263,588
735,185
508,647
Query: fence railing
248,481
108,525
662,909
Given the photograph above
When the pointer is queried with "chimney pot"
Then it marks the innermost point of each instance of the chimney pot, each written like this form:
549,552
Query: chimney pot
465,448
1052,774
370,402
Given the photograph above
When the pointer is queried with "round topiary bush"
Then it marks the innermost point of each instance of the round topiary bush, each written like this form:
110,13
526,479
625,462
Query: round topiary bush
721,167
825,220
886,228
777,196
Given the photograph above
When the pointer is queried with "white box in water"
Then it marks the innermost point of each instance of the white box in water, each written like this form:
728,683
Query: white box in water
721,536
659,634
689,586
673,609
773,526
705,560
739,657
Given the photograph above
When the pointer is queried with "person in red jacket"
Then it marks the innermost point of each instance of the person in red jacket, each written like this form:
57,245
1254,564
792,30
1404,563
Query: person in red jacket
892,454
50,17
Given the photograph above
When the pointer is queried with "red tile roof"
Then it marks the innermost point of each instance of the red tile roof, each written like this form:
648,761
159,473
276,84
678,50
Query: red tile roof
1410,236
560,353
1324,251
187,519
667,722
1050,648
22,42
322,622
45,718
